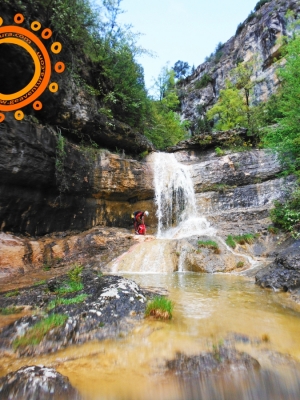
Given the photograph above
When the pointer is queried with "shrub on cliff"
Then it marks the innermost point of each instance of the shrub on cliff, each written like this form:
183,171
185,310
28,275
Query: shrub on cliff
286,215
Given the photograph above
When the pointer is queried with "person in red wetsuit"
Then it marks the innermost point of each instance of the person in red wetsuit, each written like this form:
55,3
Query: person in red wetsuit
139,219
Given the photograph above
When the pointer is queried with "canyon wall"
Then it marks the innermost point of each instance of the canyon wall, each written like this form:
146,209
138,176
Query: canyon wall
256,39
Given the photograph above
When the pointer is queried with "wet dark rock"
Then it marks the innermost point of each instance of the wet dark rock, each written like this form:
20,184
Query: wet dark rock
37,199
208,140
37,383
284,273
222,359
110,309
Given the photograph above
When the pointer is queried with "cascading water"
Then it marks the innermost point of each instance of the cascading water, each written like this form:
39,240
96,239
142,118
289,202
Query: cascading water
178,218
175,200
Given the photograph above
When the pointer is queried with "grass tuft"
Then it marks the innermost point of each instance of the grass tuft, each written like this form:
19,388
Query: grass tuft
10,310
36,333
59,301
69,287
272,229
74,273
240,264
159,308
246,238
209,244
12,294
38,283
230,242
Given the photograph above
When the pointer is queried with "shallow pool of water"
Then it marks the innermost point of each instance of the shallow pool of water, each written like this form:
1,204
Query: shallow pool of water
209,310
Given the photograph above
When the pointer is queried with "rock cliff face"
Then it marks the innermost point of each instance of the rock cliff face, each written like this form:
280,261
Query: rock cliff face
257,37
90,188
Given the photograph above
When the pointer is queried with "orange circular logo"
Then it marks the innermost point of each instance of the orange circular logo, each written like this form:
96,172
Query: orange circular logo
28,40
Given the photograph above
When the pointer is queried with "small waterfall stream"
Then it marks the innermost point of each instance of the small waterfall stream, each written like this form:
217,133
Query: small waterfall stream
178,218
175,200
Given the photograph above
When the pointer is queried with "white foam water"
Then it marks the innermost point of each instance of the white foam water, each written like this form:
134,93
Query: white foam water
175,200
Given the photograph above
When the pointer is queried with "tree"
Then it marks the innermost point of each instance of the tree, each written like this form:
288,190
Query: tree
285,138
230,109
181,69
164,128
233,108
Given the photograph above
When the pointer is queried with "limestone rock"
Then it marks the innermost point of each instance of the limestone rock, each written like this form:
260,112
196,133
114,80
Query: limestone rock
111,305
223,359
284,273
37,383
257,38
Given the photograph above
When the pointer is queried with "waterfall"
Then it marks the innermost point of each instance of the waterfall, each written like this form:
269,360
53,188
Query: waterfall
175,200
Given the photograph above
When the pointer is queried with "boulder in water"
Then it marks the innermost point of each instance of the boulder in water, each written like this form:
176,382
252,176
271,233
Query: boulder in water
221,359
284,273
37,383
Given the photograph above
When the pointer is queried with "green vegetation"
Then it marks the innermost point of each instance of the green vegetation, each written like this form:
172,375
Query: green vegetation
10,310
240,264
286,214
46,267
159,308
216,55
251,16
59,301
102,55
219,152
75,273
230,241
284,136
36,333
73,284
181,69
69,287
203,81
261,3
38,283
272,229
233,108
12,294
209,244
249,238
164,127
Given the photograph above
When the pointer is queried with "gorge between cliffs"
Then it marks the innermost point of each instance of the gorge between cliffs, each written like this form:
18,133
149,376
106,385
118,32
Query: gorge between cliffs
206,304
228,336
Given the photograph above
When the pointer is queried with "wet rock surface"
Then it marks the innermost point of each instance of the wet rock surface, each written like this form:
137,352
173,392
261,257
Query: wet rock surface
52,254
284,273
110,307
92,187
223,359
197,258
37,383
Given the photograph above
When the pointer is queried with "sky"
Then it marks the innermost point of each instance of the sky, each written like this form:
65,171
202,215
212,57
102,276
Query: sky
186,30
